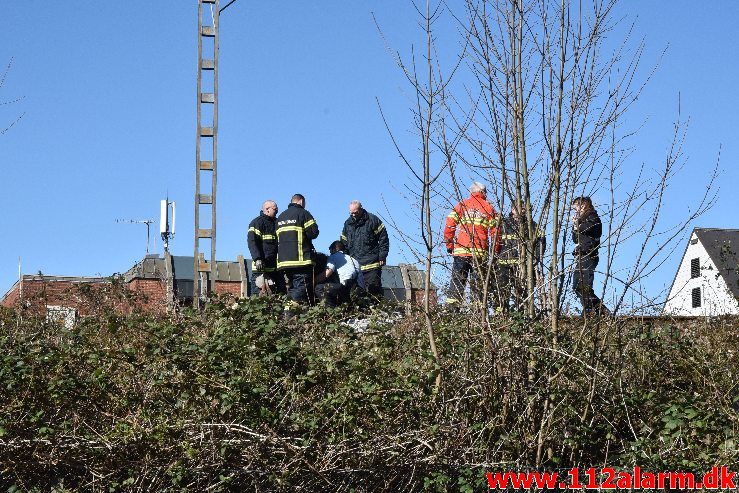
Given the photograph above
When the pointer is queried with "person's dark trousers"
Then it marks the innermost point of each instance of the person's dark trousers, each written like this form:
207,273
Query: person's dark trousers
301,284
509,284
582,282
333,293
373,282
504,279
462,268
277,278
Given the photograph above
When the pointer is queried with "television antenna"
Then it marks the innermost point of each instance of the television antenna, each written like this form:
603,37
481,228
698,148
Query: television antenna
148,223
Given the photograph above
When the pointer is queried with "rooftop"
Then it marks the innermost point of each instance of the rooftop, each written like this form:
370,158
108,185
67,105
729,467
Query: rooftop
722,246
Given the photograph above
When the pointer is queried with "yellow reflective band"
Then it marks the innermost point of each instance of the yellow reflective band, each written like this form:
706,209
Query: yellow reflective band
293,263
300,246
367,267
255,231
507,237
309,224
343,237
453,215
379,228
452,301
269,237
508,261
467,220
469,251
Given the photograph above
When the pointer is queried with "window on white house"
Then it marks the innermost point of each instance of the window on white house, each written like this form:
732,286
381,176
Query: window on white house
695,295
695,268
62,315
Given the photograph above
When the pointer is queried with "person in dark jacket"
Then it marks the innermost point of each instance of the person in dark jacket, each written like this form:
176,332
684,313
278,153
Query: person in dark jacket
586,232
262,242
365,238
296,230
509,274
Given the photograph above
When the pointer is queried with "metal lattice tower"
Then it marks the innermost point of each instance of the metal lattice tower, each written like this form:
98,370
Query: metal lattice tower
206,146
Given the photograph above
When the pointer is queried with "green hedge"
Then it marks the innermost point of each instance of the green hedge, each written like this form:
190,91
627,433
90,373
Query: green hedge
238,398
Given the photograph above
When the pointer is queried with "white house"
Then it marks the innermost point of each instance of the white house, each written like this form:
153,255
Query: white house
707,281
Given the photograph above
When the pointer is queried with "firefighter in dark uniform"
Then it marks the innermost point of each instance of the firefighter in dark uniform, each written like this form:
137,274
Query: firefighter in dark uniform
509,274
586,232
365,238
296,230
262,242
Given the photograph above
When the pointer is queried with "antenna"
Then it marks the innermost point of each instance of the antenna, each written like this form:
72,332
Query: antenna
148,223
167,221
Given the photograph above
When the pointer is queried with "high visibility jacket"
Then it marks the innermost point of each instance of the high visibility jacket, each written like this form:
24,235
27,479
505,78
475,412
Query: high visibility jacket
262,241
365,239
471,226
296,230
511,241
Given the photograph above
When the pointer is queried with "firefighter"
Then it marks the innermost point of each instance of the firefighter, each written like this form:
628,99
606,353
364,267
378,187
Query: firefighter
509,273
586,232
365,239
296,230
262,242
470,229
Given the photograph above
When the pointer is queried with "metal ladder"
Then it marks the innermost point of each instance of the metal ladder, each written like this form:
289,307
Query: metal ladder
207,133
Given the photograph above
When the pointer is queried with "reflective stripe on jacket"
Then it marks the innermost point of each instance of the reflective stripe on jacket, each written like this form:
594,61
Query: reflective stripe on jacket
511,240
262,241
296,230
471,226
365,239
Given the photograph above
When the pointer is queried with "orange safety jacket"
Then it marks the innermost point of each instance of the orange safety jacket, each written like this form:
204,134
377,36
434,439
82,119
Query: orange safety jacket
477,222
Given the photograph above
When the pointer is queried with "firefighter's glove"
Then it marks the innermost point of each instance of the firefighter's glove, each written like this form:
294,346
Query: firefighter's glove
449,250
258,265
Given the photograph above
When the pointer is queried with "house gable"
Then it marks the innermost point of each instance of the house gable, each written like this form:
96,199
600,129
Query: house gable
703,282
722,246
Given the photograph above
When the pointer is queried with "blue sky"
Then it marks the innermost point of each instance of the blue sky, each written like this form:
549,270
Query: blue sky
109,119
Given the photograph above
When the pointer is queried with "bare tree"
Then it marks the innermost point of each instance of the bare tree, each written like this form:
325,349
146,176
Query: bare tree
8,102
429,108
547,102
543,117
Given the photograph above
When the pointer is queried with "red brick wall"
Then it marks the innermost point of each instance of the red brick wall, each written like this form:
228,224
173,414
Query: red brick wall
91,296
11,297
40,293
418,295
154,292
226,287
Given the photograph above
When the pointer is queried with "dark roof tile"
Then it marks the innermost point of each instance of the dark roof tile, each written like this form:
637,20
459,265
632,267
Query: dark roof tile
722,246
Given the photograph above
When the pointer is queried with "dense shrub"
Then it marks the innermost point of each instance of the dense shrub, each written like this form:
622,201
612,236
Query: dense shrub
237,397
